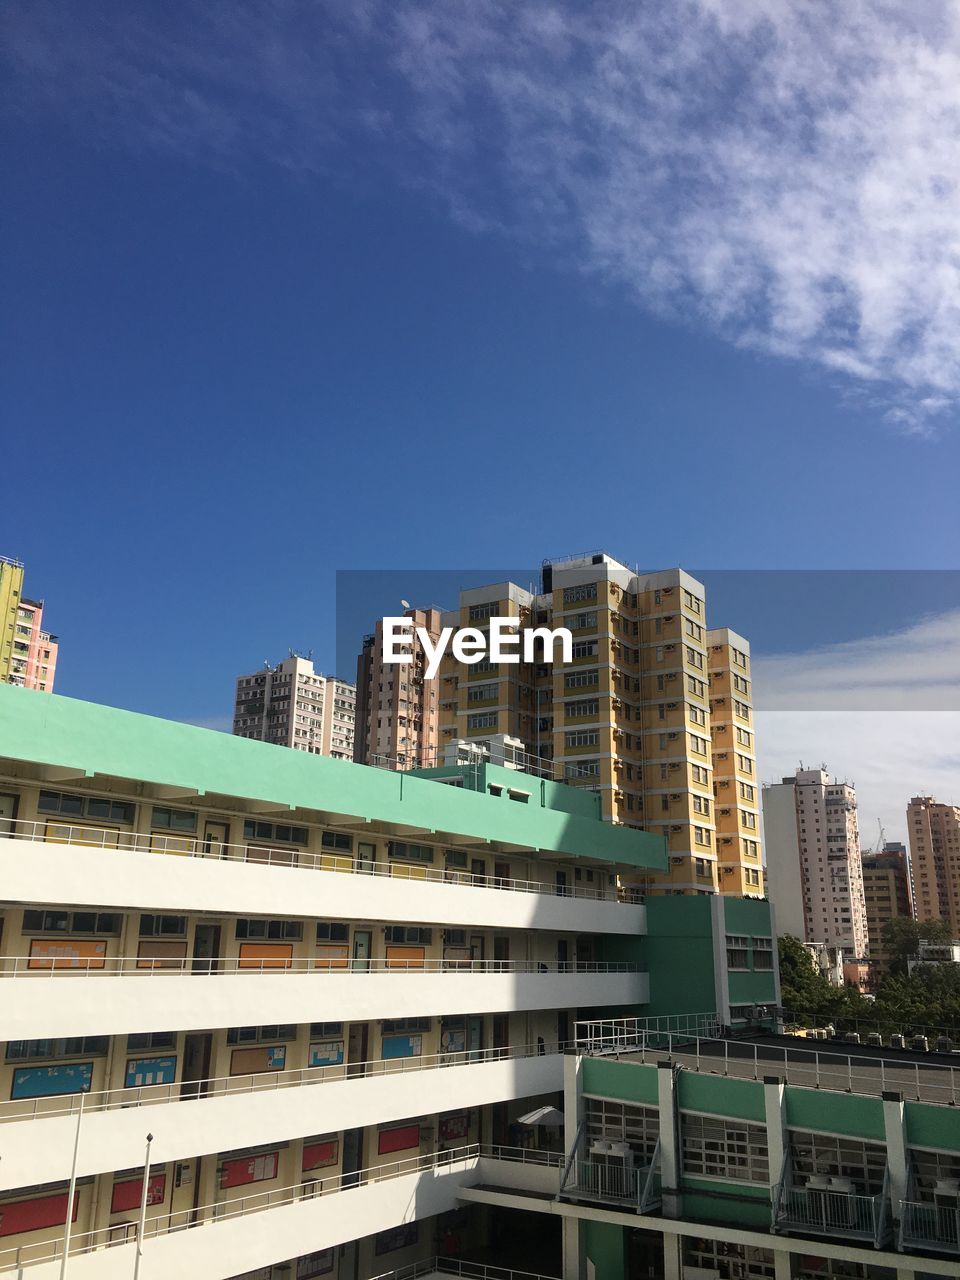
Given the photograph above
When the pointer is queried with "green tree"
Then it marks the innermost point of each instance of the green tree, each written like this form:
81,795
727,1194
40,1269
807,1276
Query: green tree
902,937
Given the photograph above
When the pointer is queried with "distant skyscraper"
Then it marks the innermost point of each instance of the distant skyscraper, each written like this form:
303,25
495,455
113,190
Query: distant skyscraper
814,868
398,710
887,893
28,653
934,831
294,706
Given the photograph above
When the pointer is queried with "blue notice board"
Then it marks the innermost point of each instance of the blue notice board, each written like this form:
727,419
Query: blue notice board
48,1082
402,1046
144,1071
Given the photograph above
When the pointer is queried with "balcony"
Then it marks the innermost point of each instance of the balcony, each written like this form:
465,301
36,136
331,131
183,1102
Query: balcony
829,1207
183,873
111,995
613,1182
202,1117
229,1237
932,1227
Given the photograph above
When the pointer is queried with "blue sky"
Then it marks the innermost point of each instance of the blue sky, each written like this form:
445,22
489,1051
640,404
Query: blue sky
293,289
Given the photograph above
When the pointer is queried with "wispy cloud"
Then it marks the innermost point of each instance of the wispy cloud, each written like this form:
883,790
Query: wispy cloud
784,175
884,712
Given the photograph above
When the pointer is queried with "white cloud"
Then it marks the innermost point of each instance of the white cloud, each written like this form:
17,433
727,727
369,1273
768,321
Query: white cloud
883,712
786,175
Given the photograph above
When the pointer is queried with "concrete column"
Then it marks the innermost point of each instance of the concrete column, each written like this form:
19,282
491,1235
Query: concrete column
669,1140
572,1111
896,1140
906,1273
781,1264
774,1114
672,1257
573,1252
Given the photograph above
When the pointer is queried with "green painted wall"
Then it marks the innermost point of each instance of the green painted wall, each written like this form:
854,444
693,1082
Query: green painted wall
604,1246
627,1080
748,915
937,1127
679,955
49,729
754,987
747,1206
721,1096
826,1112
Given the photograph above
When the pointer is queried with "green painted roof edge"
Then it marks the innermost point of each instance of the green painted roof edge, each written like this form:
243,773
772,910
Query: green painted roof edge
51,729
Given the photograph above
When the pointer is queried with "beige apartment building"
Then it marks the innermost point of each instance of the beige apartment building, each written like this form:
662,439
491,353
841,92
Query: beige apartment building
630,715
814,867
887,893
398,709
934,831
292,705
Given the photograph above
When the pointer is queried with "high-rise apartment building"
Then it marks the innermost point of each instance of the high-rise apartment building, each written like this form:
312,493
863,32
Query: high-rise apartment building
398,709
814,867
887,893
28,653
292,705
934,834
631,715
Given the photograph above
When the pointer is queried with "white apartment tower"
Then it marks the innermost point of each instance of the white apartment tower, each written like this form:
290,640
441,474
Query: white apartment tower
292,705
814,869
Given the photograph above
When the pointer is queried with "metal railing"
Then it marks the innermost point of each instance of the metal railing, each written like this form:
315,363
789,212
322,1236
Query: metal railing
120,841
258,1082
832,1213
51,965
466,1157
816,1068
612,1035
929,1226
457,1267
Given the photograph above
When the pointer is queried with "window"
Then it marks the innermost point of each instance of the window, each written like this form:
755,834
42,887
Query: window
480,612
152,926
337,840
582,769
580,621
401,934
484,720
583,738
71,806
68,1047
698,744
482,692
701,835
736,951
406,852
398,1026
820,1153
174,820
580,679
573,595
762,947
332,931
590,707
270,831
326,1029
261,1035
99,922
701,804
611,1121
274,930
584,649
151,1040
714,1147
